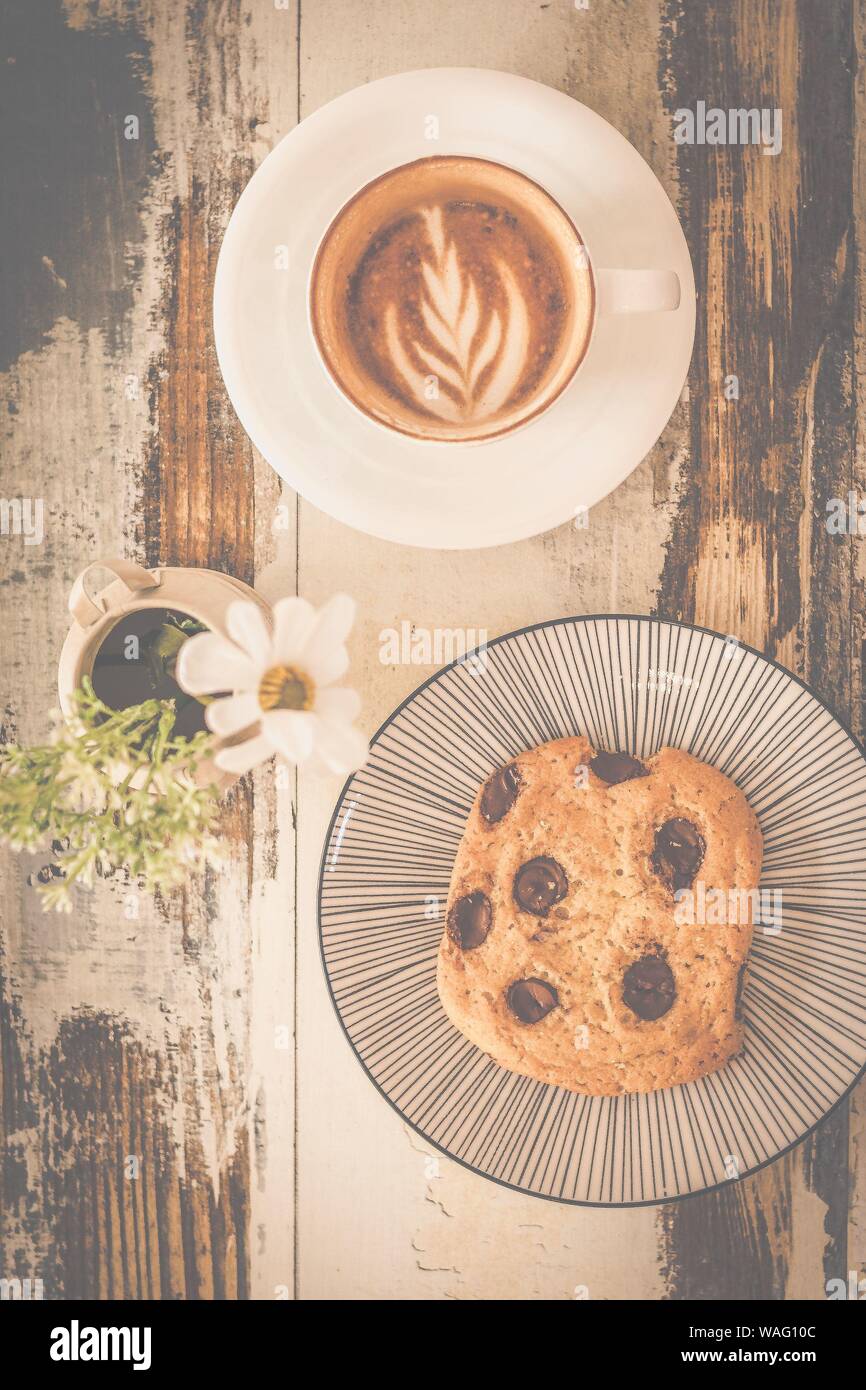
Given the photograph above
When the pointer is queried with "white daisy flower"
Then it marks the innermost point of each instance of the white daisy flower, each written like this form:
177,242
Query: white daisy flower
283,696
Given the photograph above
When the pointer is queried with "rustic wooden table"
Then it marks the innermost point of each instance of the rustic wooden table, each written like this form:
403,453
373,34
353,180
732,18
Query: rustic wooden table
198,1037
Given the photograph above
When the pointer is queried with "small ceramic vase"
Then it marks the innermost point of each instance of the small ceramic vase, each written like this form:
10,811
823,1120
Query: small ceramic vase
201,594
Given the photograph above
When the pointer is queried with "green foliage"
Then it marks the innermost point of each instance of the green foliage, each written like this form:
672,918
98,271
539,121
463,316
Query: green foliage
116,789
163,648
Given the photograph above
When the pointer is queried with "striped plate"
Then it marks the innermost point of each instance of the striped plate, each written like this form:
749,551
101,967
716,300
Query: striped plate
637,684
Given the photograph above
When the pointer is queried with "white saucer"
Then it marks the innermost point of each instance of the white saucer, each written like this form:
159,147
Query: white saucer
449,496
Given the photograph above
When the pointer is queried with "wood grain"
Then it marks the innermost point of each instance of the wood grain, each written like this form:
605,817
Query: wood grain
379,1212
138,1090
772,239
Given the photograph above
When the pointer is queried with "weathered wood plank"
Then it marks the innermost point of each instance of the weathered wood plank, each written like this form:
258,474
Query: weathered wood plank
772,240
377,1215
857,1111
132,1037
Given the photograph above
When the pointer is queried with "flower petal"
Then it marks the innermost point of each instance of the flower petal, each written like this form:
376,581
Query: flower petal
240,757
325,665
338,702
341,747
290,732
208,663
294,620
324,655
230,716
245,624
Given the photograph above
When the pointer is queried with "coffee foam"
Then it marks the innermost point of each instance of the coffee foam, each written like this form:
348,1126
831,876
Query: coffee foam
451,299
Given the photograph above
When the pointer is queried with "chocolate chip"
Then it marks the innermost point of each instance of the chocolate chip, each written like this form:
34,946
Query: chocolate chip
470,920
500,793
678,853
530,1000
648,987
539,885
617,767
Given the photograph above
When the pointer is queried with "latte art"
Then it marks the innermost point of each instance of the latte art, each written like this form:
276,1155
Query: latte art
451,300
479,354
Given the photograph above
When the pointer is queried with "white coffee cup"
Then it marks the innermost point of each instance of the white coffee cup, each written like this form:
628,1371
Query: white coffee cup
397,198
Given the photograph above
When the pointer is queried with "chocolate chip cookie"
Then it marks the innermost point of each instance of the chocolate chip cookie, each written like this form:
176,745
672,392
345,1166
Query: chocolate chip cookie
578,946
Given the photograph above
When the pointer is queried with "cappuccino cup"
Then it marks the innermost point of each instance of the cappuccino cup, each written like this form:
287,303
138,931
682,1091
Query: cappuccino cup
453,300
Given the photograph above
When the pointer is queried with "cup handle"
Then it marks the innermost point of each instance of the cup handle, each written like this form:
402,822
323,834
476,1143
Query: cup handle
637,291
86,609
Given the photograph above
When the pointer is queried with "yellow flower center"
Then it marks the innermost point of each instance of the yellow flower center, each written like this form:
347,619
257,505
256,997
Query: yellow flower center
282,687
